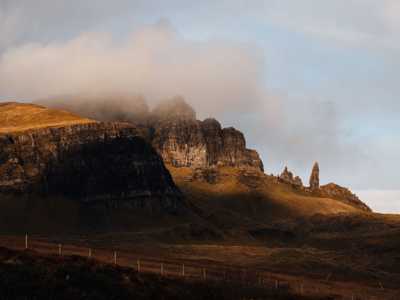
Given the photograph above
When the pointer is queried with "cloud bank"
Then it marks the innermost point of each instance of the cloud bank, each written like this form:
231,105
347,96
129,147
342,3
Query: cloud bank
154,61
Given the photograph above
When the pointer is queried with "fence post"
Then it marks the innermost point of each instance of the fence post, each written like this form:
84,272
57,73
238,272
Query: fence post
26,241
59,249
90,252
276,284
204,274
183,270
138,265
115,257
162,269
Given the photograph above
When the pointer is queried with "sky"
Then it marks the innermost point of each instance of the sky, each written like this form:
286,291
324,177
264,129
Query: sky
310,80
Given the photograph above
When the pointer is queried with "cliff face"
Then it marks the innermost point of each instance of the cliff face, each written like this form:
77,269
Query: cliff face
184,141
106,162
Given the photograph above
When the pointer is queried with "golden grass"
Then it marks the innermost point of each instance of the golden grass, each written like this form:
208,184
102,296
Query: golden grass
16,117
258,194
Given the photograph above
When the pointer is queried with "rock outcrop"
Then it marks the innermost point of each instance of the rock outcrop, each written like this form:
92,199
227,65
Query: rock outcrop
184,141
287,177
343,194
314,177
91,162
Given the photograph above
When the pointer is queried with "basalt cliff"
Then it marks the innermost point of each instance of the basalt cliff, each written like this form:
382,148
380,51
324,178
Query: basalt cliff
47,152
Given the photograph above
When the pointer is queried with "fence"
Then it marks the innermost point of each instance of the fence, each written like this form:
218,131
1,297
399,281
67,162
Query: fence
190,270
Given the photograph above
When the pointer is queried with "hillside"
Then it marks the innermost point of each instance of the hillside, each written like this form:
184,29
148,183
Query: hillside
250,197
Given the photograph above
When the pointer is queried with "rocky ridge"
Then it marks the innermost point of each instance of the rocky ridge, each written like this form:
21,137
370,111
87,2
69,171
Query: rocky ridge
343,194
330,190
204,146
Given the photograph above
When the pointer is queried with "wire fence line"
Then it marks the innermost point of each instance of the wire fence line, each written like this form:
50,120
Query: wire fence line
186,270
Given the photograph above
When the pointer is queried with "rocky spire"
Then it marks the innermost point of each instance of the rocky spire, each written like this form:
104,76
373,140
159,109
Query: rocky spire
288,177
314,178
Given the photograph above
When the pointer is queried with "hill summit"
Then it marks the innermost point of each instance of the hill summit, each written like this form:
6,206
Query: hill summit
16,117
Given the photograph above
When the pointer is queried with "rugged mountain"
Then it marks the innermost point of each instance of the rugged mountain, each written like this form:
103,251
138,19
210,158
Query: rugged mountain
81,159
203,157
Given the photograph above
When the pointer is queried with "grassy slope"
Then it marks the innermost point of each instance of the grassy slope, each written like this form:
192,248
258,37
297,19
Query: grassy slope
252,197
15,117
